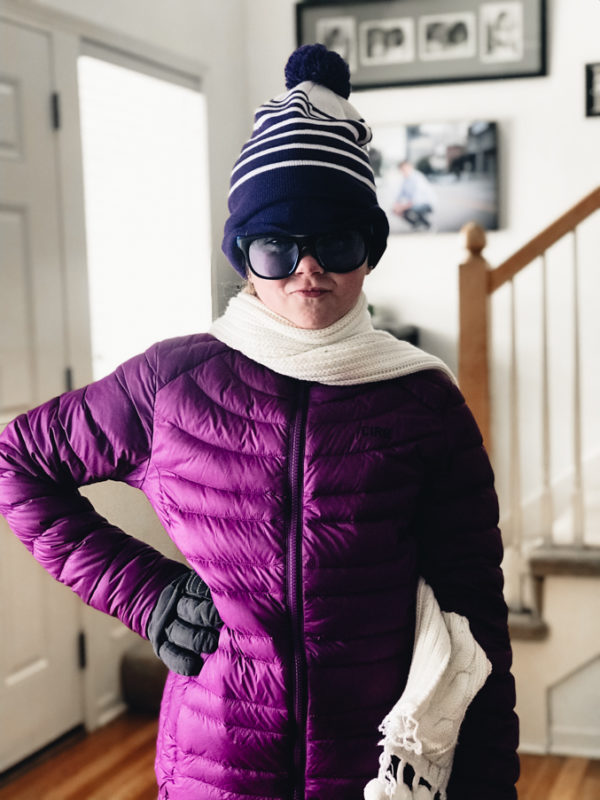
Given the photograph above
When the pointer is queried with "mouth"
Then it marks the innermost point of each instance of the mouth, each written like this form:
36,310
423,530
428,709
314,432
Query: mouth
311,291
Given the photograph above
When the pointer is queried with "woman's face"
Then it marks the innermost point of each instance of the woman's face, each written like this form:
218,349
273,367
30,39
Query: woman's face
311,298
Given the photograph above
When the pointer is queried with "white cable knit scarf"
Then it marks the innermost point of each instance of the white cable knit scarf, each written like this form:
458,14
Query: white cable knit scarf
348,352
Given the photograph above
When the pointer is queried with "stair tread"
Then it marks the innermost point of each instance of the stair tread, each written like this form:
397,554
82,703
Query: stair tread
526,625
565,560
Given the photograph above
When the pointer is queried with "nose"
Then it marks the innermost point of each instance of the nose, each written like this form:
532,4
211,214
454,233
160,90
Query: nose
308,264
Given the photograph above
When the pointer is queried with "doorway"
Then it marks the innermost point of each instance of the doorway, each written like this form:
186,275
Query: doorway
145,170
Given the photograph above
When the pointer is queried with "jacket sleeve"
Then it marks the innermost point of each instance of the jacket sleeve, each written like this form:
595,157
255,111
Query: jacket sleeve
460,553
100,432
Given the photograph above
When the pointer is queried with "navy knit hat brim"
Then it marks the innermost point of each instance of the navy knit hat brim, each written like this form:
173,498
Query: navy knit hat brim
299,213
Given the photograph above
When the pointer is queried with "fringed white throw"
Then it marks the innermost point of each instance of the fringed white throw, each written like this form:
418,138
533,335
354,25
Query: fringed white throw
447,670
348,352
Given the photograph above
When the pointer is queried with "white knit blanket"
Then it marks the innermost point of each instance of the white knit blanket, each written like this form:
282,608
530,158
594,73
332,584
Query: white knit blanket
348,352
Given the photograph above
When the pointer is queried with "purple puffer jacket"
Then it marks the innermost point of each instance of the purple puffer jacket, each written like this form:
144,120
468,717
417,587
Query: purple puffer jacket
310,511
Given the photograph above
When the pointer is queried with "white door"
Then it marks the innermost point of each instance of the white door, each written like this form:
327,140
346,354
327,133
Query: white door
40,683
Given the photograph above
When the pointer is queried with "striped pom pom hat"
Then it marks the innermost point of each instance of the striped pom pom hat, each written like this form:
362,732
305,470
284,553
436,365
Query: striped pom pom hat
305,169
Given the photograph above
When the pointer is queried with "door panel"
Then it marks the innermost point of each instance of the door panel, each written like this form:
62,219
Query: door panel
17,373
40,682
31,250
40,694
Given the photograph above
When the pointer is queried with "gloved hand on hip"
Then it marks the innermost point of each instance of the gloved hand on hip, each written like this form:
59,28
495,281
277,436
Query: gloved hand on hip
184,624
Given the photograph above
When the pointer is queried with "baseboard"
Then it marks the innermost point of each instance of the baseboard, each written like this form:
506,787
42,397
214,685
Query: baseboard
532,749
111,713
592,752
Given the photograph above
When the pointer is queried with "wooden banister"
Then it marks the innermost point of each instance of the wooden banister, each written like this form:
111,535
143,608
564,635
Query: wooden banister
477,282
473,371
544,240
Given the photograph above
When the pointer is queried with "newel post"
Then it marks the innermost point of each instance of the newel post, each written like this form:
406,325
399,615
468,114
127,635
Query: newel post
473,365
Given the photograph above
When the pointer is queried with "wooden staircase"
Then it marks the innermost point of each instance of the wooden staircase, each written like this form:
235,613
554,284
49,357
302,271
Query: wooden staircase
478,282
552,573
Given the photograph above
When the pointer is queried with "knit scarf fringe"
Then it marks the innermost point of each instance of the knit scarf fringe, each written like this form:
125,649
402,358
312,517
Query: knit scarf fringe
447,669
348,352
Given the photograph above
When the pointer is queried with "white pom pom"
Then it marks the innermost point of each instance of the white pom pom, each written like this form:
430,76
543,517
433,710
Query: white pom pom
375,791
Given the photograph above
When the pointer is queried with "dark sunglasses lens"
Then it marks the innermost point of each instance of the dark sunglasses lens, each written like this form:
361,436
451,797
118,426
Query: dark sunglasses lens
272,257
341,252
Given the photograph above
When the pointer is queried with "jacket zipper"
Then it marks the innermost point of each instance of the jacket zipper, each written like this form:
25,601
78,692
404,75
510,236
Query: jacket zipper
294,591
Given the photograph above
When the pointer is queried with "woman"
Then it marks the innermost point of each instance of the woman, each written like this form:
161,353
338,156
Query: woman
310,470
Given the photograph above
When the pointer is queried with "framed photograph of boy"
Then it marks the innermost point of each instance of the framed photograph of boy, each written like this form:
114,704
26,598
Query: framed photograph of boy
407,42
433,177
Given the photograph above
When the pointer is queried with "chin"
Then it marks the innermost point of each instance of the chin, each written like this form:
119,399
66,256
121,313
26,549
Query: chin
315,323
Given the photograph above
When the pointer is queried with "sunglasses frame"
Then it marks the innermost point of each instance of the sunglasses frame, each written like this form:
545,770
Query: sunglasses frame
306,244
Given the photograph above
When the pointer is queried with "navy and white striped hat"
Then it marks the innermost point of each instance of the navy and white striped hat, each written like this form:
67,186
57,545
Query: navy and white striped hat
305,169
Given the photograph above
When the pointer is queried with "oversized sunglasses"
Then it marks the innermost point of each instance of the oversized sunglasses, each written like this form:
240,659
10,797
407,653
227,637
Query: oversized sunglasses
276,257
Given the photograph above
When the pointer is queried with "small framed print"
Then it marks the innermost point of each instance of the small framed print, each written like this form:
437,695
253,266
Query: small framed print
447,36
592,90
502,34
386,41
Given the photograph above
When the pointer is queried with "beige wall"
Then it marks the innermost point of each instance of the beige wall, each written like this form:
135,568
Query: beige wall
572,608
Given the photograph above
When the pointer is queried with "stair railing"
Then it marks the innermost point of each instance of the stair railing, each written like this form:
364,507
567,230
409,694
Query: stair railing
477,283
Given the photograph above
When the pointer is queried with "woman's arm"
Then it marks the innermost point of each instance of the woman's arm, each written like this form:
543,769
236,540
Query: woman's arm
460,556
100,432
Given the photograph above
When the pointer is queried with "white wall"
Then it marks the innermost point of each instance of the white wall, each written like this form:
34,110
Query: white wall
557,696
575,711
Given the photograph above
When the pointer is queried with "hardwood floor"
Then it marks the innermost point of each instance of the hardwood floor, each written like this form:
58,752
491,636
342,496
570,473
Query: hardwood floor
559,778
117,763
113,763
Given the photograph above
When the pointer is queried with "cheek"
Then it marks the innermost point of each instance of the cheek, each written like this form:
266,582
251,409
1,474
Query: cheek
270,292
353,282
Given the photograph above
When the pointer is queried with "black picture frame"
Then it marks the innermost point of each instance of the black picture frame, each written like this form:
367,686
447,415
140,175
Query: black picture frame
592,90
416,42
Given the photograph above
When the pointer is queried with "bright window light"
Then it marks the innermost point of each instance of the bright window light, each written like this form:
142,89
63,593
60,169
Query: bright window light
147,209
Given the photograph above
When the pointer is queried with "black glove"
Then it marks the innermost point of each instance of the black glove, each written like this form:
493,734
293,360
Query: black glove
184,623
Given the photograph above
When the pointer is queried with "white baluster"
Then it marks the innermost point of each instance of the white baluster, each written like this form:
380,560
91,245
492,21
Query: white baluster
515,456
577,497
547,500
